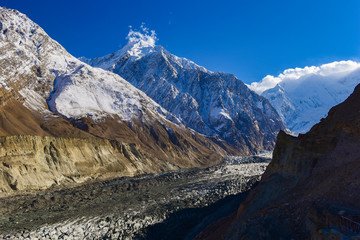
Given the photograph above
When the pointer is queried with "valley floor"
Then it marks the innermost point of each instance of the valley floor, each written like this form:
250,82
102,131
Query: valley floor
174,205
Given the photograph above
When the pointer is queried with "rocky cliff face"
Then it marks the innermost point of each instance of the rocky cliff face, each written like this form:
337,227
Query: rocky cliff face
215,104
44,91
311,187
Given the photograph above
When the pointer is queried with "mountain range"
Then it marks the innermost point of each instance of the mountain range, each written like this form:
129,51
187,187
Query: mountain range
169,109
142,111
69,110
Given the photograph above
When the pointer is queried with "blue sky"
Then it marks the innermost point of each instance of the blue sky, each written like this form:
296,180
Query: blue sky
250,38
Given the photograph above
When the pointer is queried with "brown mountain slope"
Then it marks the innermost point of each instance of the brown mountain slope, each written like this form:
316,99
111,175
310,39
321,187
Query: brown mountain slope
151,148
311,189
16,119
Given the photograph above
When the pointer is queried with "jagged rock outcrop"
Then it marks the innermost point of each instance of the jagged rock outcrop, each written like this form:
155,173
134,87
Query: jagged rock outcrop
311,187
44,91
215,104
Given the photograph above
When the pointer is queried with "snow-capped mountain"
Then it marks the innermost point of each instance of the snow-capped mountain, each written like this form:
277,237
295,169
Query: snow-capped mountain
45,91
302,96
212,103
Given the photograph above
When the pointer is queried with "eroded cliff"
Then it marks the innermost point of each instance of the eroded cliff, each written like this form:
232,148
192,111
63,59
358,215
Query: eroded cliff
35,163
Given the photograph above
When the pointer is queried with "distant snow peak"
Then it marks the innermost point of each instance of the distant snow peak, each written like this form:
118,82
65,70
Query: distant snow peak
302,96
140,42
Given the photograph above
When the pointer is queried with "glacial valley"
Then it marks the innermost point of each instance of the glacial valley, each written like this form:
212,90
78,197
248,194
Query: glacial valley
178,204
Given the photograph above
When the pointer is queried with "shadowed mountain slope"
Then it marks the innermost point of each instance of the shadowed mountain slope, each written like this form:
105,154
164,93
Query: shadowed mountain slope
311,189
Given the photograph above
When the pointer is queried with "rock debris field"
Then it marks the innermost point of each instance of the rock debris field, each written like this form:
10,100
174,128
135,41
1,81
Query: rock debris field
176,205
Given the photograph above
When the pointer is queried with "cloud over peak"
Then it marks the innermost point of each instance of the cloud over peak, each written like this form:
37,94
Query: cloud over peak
143,37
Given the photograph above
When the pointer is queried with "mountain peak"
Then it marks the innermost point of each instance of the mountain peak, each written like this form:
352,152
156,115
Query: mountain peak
140,43
214,104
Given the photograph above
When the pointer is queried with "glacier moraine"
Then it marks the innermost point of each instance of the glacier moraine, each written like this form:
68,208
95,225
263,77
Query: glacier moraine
175,204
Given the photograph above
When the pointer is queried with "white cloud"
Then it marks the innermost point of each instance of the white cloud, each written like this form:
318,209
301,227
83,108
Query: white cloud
140,42
299,74
144,37
266,83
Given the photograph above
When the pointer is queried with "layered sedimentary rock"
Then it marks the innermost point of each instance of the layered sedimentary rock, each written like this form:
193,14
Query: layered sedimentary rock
35,163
